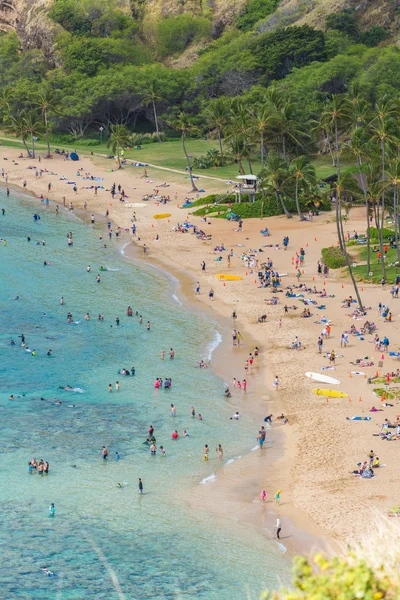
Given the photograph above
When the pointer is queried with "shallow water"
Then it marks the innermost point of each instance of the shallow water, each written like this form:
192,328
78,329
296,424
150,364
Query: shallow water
106,542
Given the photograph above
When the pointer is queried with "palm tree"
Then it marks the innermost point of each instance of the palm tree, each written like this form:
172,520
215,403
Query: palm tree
335,113
151,95
344,185
273,175
393,182
118,140
217,116
374,193
358,148
34,127
6,98
260,121
287,127
184,124
47,102
303,174
16,124
382,132
237,149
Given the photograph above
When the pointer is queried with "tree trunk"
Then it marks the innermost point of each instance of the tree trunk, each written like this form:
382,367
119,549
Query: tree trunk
220,142
194,188
156,121
396,220
285,210
119,159
367,209
47,134
26,147
250,167
379,230
284,148
330,151
241,170
383,182
347,257
302,218
262,149
338,216
33,145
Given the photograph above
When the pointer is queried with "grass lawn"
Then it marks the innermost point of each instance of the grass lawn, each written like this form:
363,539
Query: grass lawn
361,270
170,155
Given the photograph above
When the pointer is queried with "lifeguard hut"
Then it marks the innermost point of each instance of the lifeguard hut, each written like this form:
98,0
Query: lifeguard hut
246,188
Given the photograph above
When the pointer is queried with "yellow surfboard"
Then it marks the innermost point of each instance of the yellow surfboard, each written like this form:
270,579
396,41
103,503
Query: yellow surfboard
330,393
227,277
162,216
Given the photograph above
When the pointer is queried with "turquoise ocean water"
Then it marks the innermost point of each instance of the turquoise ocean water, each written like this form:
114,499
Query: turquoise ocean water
106,542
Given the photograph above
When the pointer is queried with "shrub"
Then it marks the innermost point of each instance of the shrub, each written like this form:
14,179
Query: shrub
373,36
256,10
373,234
333,257
337,579
344,21
176,33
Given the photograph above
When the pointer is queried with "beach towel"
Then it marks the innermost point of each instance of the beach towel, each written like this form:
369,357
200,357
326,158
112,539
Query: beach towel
358,418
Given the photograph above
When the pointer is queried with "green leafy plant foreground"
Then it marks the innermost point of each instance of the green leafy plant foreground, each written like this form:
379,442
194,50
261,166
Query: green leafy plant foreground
336,579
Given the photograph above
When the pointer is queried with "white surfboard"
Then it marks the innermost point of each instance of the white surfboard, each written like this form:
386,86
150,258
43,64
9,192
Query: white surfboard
322,378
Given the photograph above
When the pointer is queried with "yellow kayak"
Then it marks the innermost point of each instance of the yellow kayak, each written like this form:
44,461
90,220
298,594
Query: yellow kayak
330,393
227,277
162,216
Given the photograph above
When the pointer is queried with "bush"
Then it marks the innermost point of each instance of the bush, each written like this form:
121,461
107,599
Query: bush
176,33
337,579
373,36
256,10
213,158
344,21
333,257
373,234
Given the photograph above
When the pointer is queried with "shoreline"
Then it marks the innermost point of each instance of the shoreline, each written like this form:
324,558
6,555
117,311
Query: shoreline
317,492
305,539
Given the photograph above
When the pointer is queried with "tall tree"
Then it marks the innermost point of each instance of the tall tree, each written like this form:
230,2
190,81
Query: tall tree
48,103
151,95
16,124
260,122
184,124
304,176
216,114
393,183
345,185
273,176
118,140
287,127
34,127
358,148
336,113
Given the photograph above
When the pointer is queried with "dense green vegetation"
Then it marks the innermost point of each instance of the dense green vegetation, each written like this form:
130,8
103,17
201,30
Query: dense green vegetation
344,578
270,96
333,257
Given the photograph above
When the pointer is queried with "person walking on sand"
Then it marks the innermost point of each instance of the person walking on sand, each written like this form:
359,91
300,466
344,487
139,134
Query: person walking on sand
263,496
276,383
320,343
278,528
278,496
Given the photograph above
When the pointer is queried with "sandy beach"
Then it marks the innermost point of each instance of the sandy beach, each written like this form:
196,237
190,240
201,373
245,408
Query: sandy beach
311,457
